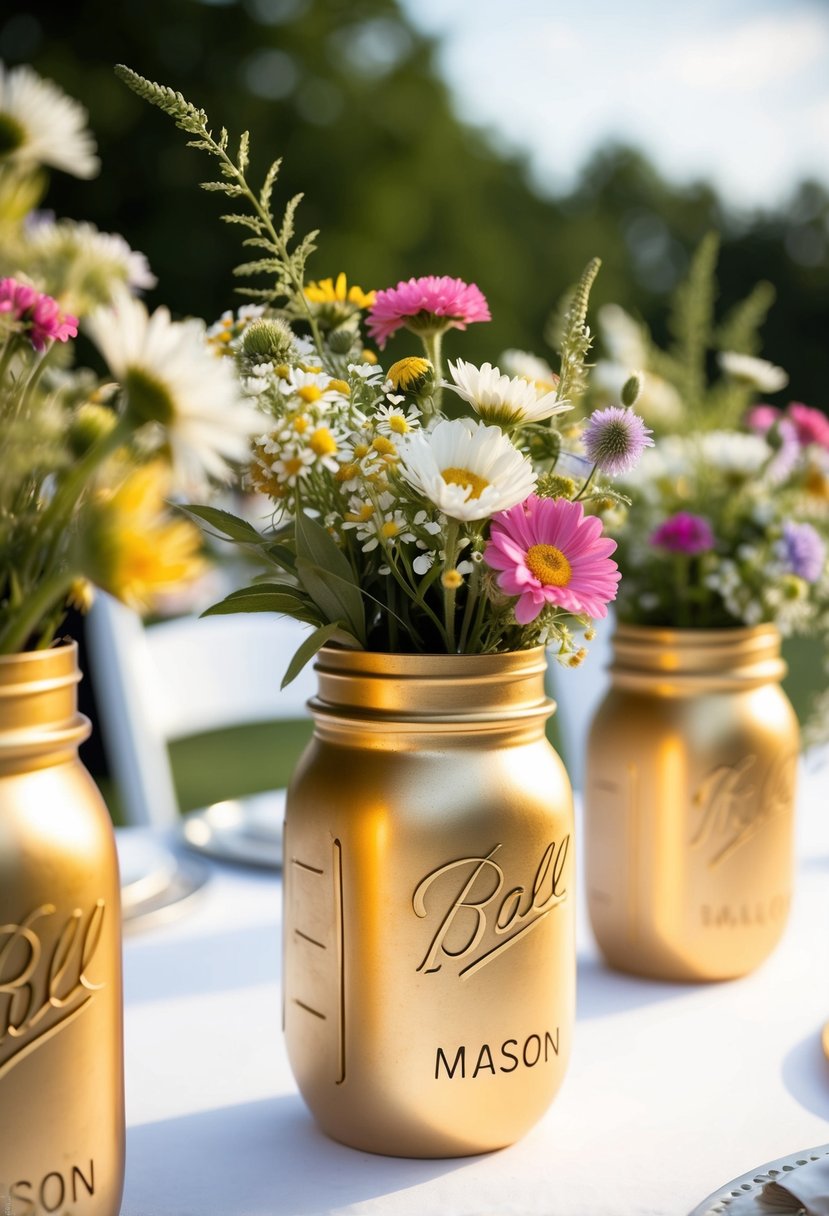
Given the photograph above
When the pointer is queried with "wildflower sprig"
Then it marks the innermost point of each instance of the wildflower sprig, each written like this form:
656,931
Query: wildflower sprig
284,263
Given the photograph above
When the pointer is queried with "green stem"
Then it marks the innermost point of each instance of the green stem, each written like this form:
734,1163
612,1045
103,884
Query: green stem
265,218
25,396
472,590
44,598
583,490
70,490
432,343
449,593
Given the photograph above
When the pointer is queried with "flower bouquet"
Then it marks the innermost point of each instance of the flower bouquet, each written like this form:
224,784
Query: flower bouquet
89,460
731,524
419,507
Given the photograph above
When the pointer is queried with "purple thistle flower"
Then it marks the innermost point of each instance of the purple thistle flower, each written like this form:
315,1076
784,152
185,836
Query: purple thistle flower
615,438
684,533
803,551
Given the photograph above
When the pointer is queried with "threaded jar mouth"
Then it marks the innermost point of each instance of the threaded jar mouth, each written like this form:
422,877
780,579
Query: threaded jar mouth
431,688
696,659
39,703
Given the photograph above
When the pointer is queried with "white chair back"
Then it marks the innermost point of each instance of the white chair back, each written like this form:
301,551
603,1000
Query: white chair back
159,682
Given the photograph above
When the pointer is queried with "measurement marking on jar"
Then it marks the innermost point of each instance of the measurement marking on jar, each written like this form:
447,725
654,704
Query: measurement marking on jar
303,865
339,924
308,1009
634,853
312,940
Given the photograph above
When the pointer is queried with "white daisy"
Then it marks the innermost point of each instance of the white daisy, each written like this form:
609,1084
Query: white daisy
759,373
392,420
468,470
529,367
500,399
170,377
41,125
81,266
732,453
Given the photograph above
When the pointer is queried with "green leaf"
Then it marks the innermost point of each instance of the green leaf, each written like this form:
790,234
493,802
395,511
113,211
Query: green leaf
268,601
335,598
281,556
315,546
314,642
227,524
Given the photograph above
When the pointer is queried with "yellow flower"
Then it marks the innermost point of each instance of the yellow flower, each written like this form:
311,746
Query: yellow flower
134,547
410,374
326,291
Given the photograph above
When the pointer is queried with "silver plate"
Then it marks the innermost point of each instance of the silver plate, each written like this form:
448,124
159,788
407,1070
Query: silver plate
742,1196
244,830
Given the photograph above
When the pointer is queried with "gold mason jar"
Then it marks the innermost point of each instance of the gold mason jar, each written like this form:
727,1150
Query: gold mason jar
61,1057
429,904
689,802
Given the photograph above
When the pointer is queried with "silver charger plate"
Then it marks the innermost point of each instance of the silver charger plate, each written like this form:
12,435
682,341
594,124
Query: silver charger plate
156,884
743,1196
243,830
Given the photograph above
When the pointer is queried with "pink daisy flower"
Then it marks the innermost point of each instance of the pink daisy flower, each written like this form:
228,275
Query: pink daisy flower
427,305
39,313
549,552
812,426
684,533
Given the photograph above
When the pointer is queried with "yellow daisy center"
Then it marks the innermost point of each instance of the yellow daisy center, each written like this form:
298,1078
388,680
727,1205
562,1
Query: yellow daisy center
322,442
338,386
362,516
293,465
398,424
389,529
360,450
346,471
310,393
463,477
549,565
300,425
384,446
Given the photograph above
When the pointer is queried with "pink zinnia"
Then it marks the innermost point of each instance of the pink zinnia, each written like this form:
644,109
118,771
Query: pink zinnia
428,305
811,425
41,314
549,552
684,533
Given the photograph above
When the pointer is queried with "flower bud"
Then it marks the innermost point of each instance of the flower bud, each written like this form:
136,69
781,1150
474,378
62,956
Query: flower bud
90,424
551,485
342,340
632,389
268,339
412,375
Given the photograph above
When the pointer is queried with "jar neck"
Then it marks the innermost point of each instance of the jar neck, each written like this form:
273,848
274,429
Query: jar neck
418,693
696,660
39,719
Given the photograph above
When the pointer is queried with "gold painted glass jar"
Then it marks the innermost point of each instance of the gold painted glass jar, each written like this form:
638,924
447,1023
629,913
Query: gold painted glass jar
689,802
61,1056
429,904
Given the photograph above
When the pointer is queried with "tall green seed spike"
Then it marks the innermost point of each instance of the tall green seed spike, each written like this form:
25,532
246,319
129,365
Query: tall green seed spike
165,98
577,312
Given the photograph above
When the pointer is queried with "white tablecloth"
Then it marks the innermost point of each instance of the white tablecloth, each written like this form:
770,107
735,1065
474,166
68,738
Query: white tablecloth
672,1090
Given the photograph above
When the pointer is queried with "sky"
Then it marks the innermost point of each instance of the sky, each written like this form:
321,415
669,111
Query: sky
733,90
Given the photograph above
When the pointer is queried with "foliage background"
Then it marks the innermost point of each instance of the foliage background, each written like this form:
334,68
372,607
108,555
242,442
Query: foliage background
349,93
